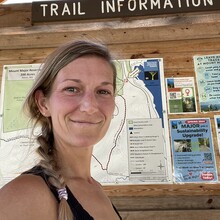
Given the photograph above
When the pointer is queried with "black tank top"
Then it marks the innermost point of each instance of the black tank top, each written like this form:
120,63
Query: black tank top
79,212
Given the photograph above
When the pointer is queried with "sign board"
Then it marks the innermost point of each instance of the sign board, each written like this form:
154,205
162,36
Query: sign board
136,147
99,9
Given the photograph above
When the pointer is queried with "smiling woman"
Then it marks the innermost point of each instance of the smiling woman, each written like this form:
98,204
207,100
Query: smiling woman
72,100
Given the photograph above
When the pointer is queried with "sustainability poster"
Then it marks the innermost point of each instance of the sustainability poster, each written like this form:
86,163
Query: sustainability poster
181,96
207,70
192,148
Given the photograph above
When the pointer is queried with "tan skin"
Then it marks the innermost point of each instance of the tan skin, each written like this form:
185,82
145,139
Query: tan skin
80,105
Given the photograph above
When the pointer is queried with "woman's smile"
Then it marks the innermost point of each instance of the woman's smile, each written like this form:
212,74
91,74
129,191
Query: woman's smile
85,122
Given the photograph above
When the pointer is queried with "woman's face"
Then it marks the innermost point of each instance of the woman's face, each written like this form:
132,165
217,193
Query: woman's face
81,102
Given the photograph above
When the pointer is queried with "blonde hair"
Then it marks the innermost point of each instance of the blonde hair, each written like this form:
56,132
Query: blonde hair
44,81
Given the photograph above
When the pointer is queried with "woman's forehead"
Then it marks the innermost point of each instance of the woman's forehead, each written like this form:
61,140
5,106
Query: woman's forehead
86,70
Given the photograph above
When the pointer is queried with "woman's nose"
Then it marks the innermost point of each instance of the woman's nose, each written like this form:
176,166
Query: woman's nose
89,103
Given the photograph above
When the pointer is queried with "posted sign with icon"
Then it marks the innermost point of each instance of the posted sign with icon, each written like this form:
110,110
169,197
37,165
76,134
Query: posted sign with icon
181,95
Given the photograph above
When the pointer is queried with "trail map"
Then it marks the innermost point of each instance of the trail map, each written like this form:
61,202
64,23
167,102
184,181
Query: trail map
136,147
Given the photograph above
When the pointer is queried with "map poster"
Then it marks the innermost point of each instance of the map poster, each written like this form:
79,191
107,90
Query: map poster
192,148
217,129
17,150
207,70
136,147
181,96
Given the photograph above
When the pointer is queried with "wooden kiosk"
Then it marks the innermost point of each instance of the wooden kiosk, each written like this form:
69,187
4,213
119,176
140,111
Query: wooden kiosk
176,37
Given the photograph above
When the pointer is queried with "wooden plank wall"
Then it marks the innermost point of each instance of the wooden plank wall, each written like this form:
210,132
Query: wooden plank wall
175,38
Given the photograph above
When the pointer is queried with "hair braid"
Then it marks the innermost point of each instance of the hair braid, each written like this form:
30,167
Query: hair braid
50,168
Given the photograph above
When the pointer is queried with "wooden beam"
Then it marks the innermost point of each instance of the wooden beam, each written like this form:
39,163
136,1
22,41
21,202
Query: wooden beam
172,215
15,15
185,189
129,203
110,31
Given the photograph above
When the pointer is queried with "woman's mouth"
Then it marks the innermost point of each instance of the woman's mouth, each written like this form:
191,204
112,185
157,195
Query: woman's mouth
85,122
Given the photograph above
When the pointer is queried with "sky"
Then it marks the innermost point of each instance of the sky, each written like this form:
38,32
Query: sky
21,1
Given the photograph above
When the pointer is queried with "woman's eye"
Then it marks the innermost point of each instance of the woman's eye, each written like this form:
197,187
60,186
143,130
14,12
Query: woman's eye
104,92
71,89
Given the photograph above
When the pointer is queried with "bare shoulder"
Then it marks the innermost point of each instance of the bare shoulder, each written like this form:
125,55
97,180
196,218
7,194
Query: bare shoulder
27,197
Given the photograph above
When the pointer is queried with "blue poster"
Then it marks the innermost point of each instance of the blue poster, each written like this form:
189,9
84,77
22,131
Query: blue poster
192,150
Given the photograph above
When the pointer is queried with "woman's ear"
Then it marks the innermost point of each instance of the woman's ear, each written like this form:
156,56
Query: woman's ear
41,102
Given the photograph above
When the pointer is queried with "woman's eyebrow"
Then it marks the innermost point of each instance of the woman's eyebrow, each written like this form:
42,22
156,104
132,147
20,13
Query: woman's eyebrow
106,83
74,80
80,81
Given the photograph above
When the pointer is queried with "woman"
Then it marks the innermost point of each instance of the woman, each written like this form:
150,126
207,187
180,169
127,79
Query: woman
72,100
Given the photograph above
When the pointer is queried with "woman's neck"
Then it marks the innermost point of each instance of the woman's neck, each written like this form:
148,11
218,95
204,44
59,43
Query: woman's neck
75,163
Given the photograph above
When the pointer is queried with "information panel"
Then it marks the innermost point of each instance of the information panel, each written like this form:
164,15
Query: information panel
193,150
136,147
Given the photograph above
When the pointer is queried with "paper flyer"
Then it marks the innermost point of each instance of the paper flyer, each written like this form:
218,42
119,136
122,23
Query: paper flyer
192,149
207,70
181,96
217,129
